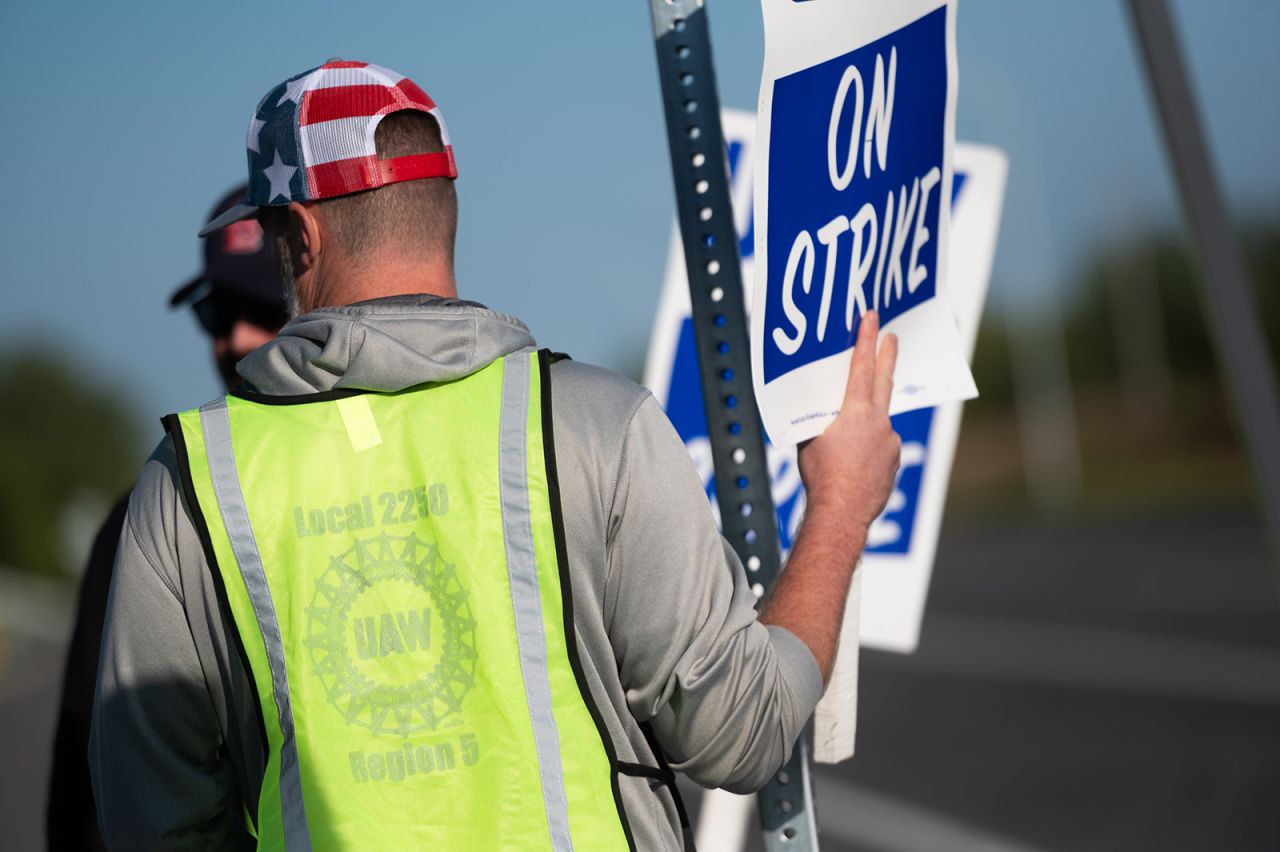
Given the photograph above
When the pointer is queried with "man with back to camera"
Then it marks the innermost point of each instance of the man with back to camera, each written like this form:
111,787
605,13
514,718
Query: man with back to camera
418,584
239,302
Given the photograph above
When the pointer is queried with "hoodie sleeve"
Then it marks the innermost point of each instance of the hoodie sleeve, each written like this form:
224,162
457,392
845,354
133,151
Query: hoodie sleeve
157,756
726,695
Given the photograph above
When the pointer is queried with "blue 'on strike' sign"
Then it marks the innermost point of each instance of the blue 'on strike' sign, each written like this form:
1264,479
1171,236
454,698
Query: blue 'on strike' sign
855,172
684,407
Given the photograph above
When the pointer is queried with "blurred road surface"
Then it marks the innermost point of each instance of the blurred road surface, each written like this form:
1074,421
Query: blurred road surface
30,682
1107,684
1101,684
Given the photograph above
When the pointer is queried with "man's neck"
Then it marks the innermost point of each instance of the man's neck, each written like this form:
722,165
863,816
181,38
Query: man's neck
380,276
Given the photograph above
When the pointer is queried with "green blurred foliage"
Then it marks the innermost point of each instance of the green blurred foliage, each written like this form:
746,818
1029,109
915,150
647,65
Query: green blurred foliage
1177,443
64,439
1182,299
1089,323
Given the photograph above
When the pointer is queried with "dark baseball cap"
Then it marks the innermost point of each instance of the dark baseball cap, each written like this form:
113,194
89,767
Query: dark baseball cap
237,260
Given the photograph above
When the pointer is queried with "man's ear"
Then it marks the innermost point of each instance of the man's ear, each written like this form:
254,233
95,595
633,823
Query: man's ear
308,230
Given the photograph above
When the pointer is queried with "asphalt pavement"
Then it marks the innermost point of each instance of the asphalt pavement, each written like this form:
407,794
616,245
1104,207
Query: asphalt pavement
30,672
1103,684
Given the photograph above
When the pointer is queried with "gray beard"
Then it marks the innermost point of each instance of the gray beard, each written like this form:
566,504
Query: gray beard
285,261
291,303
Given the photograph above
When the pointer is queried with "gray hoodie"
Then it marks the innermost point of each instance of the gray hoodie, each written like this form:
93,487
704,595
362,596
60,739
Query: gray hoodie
665,619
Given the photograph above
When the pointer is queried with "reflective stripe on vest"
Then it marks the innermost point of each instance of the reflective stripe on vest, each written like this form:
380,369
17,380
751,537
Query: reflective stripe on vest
391,565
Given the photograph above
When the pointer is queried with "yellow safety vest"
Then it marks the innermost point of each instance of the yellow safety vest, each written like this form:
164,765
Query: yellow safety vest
395,568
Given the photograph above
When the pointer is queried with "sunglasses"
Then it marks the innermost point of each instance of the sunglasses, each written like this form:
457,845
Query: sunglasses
218,313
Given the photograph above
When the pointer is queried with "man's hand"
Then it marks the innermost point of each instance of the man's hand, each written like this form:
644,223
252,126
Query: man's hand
850,468
848,473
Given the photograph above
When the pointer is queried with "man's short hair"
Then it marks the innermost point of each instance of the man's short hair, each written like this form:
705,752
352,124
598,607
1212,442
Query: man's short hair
416,217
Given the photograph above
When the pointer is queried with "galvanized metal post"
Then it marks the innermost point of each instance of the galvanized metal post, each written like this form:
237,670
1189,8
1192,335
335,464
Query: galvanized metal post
1229,300
747,513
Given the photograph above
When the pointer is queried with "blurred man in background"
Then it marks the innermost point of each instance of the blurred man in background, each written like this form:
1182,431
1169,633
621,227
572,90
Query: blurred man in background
239,302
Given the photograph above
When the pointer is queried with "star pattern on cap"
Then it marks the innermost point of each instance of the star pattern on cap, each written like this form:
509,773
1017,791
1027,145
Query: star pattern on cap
293,90
279,173
255,127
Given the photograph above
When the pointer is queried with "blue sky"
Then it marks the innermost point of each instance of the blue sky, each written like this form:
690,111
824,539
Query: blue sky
127,121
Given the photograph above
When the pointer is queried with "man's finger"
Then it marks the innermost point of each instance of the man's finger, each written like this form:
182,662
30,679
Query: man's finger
885,362
863,364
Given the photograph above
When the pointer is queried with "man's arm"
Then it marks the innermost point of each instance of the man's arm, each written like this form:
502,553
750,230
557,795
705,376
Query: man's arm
728,693
725,695
848,473
156,753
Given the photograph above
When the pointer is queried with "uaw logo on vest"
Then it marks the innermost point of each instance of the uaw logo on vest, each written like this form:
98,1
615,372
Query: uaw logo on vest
391,637
927,434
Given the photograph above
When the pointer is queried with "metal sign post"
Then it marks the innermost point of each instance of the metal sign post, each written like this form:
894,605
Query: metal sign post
705,214
1231,307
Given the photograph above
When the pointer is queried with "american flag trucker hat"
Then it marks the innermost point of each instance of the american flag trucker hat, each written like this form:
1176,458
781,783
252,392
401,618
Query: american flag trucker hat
311,137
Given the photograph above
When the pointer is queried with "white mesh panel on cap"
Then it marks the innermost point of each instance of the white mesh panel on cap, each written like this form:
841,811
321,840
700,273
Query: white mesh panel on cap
434,112
340,139
372,75
389,77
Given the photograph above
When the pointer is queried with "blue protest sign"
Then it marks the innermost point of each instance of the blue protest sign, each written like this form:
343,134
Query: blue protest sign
860,222
902,540
853,160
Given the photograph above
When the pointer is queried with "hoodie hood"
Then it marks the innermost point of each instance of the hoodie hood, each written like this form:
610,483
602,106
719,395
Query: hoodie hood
382,345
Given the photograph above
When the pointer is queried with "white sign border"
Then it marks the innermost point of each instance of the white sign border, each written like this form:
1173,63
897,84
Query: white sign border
799,36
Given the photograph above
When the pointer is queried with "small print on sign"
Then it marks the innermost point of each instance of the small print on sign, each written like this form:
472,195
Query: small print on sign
853,167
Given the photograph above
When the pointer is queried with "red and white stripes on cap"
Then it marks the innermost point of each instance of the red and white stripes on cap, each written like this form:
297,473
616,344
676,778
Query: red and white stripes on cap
341,105
312,137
